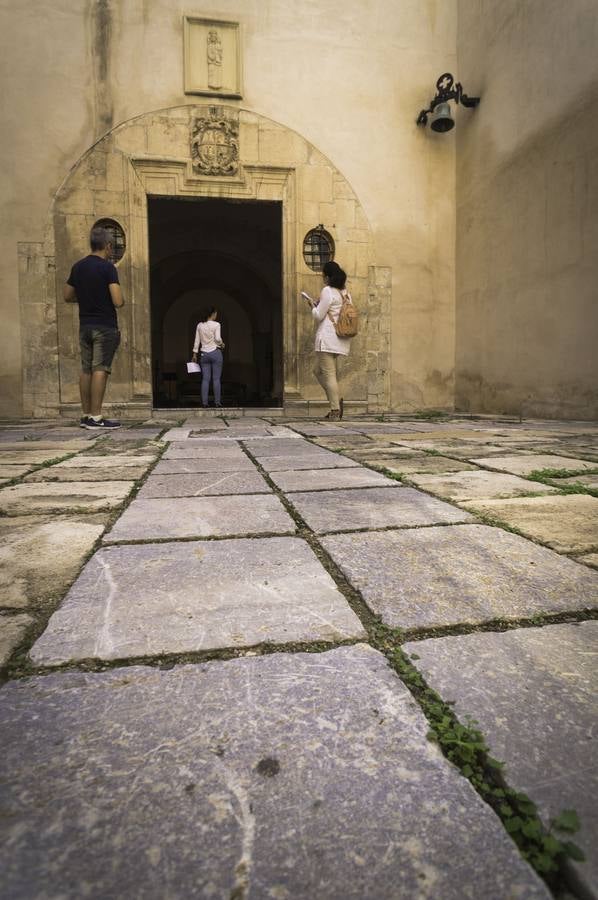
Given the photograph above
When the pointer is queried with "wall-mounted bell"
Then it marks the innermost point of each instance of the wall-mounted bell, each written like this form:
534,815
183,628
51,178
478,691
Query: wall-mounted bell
442,119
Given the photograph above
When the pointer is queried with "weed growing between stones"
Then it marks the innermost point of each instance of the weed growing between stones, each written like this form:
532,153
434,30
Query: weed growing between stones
549,476
465,746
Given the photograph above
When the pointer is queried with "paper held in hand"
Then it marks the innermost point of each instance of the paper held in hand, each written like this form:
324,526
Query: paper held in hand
193,368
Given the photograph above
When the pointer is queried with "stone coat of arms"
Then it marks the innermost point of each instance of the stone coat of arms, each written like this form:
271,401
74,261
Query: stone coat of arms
215,143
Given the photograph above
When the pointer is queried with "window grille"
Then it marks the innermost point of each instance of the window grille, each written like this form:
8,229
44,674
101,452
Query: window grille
318,248
117,234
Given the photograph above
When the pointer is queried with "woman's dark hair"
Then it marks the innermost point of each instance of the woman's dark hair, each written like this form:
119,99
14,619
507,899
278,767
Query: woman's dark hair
207,313
335,275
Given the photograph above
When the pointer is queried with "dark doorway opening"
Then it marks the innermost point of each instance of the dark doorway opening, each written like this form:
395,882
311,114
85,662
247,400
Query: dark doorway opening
227,254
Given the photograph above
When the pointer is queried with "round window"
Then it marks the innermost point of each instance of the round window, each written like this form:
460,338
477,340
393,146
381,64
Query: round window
117,233
318,248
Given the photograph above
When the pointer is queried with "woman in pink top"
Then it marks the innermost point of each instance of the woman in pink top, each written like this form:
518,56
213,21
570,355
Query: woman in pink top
207,335
329,346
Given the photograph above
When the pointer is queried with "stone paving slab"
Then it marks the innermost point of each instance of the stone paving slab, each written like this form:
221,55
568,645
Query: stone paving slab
523,465
373,508
351,440
14,471
41,555
283,447
467,451
55,473
74,495
433,464
198,450
590,559
12,632
330,479
204,484
30,457
467,574
533,692
85,461
62,446
201,517
590,481
186,466
568,523
152,599
285,776
316,459
462,486
135,434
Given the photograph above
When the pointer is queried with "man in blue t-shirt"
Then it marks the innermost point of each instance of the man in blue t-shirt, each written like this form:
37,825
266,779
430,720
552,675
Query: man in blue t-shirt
93,284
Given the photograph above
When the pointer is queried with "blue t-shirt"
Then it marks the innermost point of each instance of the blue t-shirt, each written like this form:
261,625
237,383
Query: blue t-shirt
90,278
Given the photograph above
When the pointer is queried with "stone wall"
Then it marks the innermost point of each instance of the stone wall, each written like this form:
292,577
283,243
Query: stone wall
527,211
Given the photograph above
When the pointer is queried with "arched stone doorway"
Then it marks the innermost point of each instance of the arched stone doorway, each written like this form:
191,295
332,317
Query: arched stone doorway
150,158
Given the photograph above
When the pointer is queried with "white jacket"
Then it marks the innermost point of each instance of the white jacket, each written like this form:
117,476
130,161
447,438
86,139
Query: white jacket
327,340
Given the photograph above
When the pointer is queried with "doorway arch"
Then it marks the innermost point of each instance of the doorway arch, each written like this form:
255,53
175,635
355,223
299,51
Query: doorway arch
150,156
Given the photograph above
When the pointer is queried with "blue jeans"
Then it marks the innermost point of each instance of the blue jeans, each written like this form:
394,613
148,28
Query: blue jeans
211,370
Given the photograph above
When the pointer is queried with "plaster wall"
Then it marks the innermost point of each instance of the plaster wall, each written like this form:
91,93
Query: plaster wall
349,77
527,209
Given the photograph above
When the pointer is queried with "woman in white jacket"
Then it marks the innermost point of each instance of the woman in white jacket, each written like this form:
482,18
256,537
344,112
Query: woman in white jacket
207,335
329,346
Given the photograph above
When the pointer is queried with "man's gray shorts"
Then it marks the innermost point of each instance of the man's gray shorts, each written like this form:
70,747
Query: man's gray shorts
98,344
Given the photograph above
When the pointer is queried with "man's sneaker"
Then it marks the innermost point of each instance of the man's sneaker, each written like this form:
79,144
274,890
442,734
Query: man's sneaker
92,424
83,421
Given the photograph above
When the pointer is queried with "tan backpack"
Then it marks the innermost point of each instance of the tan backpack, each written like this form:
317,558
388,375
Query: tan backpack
347,323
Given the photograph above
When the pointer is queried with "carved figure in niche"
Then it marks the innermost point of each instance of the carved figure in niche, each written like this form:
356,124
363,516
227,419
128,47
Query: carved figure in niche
214,60
215,143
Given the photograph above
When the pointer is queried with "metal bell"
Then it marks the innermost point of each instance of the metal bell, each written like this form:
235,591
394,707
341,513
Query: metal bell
442,119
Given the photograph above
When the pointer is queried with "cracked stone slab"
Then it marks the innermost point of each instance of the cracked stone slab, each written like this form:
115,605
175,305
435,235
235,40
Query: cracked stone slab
8,472
189,466
135,434
568,524
330,479
12,631
37,445
290,775
373,508
433,464
533,692
153,599
316,459
73,495
462,486
523,465
201,517
467,451
203,484
41,555
467,574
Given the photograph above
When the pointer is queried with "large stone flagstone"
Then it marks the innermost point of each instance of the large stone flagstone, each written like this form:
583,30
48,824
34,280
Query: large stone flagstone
40,556
186,466
9,472
330,479
201,450
85,461
30,457
568,524
432,577
523,465
152,599
204,484
590,481
373,508
316,459
432,464
45,497
473,485
12,631
57,473
285,776
534,693
202,517
278,447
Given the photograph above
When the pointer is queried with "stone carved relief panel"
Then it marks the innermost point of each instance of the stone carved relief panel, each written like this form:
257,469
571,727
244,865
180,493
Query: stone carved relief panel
215,142
212,57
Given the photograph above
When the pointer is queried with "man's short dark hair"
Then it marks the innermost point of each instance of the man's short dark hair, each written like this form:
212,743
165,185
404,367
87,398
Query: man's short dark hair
99,238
